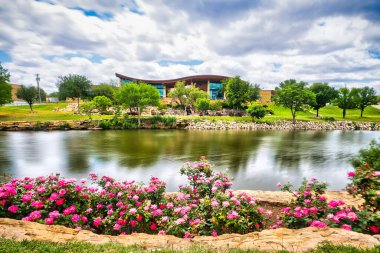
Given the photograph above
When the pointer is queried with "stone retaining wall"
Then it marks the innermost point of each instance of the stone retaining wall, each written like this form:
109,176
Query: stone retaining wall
298,240
194,125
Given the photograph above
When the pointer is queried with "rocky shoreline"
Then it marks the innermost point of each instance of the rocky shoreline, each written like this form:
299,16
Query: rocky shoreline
190,124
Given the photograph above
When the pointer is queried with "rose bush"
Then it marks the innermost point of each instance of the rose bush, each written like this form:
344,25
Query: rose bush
104,205
311,208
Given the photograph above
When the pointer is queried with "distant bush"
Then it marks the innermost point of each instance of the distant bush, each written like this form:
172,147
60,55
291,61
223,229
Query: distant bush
202,105
102,103
256,111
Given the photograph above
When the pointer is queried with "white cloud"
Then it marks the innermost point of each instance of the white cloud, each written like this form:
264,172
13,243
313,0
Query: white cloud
263,42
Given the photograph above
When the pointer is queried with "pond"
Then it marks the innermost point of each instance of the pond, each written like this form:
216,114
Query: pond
256,159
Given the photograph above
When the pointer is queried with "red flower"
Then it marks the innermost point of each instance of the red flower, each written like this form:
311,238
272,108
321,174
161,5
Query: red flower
374,229
140,217
153,226
59,202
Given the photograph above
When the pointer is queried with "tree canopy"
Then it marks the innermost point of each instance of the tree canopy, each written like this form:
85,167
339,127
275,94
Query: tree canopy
346,99
186,96
28,94
73,86
323,94
5,88
239,92
294,96
137,96
102,89
365,97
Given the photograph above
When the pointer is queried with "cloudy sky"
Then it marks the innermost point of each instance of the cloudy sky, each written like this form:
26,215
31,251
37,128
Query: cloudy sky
265,42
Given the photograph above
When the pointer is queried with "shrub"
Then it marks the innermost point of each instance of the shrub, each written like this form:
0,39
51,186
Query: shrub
256,111
102,103
202,105
216,105
88,109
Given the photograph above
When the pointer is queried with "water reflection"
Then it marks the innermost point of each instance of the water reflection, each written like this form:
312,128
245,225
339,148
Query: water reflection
257,160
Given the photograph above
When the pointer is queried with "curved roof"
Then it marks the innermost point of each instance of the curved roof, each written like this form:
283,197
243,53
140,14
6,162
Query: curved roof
216,78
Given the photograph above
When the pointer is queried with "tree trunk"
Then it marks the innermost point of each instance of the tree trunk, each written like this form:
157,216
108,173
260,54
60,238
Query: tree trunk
317,113
78,106
344,113
293,116
138,116
361,112
30,105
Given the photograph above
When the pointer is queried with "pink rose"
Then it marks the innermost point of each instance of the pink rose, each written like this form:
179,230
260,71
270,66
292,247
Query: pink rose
346,227
49,221
351,174
13,209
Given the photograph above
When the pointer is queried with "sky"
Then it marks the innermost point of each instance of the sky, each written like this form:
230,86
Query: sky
265,42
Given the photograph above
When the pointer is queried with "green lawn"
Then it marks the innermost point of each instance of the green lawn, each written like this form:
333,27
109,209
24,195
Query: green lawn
41,112
11,246
45,112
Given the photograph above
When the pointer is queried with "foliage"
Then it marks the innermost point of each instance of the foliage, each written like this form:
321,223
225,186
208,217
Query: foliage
365,180
216,105
346,99
29,94
88,109
5,88
365,97
73,86
137,97
102,103
313,210
204,207
239,92
323,94
102,89
202,105
54,94
186,96
256,111
5,93
294,96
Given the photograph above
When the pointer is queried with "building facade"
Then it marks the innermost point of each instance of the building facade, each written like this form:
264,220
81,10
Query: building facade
212,84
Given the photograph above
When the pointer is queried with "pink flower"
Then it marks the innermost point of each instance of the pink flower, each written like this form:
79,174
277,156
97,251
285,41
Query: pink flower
374,229
75,218
116,227
351,174
37,204
352,216
13,209
278,184
62,192
376,173
225,203
49,221
28,186
133,223
214,233
164,219
161,232
346,227
132,211
26,198
318,224
84,219
97,222
54,214
35,215
60,202
322,198
54,196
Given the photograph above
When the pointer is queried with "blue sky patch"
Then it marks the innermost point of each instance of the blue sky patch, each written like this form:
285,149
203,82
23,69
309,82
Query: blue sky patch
166,63
4,56
92,13
322,23
374,54
276,67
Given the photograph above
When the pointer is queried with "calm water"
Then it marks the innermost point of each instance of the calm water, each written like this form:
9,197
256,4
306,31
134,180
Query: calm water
257,160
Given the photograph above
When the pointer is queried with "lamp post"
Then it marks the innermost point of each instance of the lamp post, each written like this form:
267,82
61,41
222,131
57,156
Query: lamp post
38,86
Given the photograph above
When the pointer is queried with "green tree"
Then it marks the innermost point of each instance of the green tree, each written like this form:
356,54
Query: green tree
5,88
102,103
29,94
102,89
365,97
239,92
370,156
137,96
346,99
88,109
323,94
294,96
186,96
202,105
256,111
73,86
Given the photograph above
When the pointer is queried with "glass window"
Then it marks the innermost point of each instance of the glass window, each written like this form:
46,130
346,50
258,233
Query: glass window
216,91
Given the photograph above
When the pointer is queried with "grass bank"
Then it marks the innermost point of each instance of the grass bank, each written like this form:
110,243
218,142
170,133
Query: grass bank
11,246
48,112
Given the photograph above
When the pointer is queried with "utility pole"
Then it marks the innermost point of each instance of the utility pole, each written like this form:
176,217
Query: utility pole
38,86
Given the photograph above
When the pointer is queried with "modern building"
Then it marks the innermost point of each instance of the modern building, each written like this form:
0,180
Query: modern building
212,84
209,83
